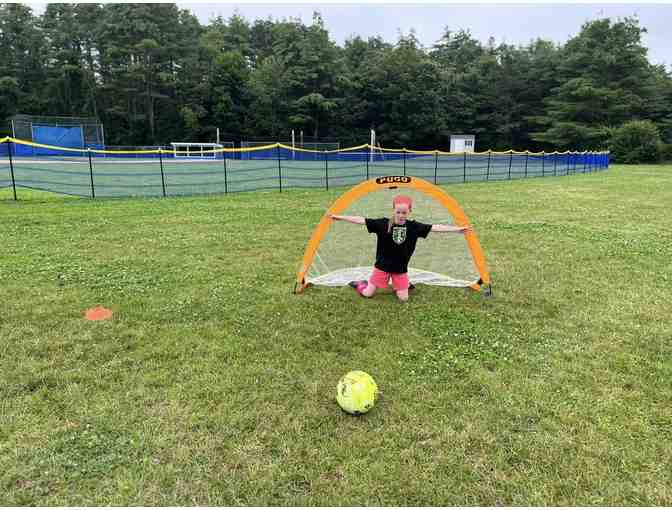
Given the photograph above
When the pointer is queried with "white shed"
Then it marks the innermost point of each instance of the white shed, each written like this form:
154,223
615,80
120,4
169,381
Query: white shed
462,143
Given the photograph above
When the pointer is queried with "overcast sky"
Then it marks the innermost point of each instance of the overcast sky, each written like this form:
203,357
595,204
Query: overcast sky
510,23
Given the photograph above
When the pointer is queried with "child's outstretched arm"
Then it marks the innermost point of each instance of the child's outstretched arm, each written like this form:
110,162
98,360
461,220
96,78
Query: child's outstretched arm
451,228
358,220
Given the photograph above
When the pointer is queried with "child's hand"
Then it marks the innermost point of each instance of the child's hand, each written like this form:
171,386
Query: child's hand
466,229
334,217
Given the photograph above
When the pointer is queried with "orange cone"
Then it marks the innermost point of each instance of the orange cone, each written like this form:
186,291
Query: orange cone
98,313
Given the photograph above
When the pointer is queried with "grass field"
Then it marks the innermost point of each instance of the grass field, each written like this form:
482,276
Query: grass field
214,385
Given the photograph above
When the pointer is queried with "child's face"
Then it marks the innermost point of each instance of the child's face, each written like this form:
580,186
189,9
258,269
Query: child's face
401,212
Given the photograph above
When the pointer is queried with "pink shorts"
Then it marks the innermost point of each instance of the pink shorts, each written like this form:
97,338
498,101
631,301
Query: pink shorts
380,279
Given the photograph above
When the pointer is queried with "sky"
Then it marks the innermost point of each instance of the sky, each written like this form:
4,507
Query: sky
515,23
510,23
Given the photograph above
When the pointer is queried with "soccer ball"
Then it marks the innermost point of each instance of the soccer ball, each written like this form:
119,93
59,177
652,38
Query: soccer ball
356,392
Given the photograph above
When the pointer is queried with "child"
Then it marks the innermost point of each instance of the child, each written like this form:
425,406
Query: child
396,243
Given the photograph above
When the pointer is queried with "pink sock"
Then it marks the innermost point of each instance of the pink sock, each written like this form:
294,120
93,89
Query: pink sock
361,286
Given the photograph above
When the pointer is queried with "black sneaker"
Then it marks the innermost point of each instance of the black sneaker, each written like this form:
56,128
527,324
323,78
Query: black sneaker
411,287
356,283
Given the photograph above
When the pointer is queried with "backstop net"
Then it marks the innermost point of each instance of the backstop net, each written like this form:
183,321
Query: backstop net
71,132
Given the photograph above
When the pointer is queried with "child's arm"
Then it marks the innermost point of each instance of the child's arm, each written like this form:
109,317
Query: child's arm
358,220
451,228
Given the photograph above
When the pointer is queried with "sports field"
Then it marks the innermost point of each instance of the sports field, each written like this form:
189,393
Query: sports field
214,385
138,175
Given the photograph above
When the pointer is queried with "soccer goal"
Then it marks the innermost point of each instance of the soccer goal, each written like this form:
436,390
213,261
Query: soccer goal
200,150
339,252
375,151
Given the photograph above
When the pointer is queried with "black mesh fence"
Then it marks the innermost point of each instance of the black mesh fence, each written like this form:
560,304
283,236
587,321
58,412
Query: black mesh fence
166,172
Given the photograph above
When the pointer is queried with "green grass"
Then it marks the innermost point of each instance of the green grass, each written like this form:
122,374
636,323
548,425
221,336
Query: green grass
214,385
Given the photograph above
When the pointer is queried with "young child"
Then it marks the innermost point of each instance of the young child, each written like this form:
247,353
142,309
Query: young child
396,243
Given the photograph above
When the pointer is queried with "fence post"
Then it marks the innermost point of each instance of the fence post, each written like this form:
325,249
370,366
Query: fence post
464,167
555,163
404,153
572,165
163,178
543,163
11,166
93,189
526,157
487,173
226,179
510,161
584,161
277,148
368,156
326,168
436,165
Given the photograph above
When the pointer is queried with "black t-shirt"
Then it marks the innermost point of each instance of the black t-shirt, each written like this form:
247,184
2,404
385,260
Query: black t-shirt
394,248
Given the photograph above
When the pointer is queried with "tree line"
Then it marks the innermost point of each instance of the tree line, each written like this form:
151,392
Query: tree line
152,73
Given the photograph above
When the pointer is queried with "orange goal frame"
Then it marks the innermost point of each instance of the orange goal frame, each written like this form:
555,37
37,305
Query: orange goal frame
393,182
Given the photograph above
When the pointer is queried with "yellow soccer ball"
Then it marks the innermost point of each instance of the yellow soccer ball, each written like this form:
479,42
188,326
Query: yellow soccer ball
356,392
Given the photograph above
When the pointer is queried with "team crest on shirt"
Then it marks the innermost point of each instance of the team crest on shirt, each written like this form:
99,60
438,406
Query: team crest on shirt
399,234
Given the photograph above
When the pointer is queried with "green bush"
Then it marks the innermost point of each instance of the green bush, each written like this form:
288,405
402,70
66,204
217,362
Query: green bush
665,150
637,141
